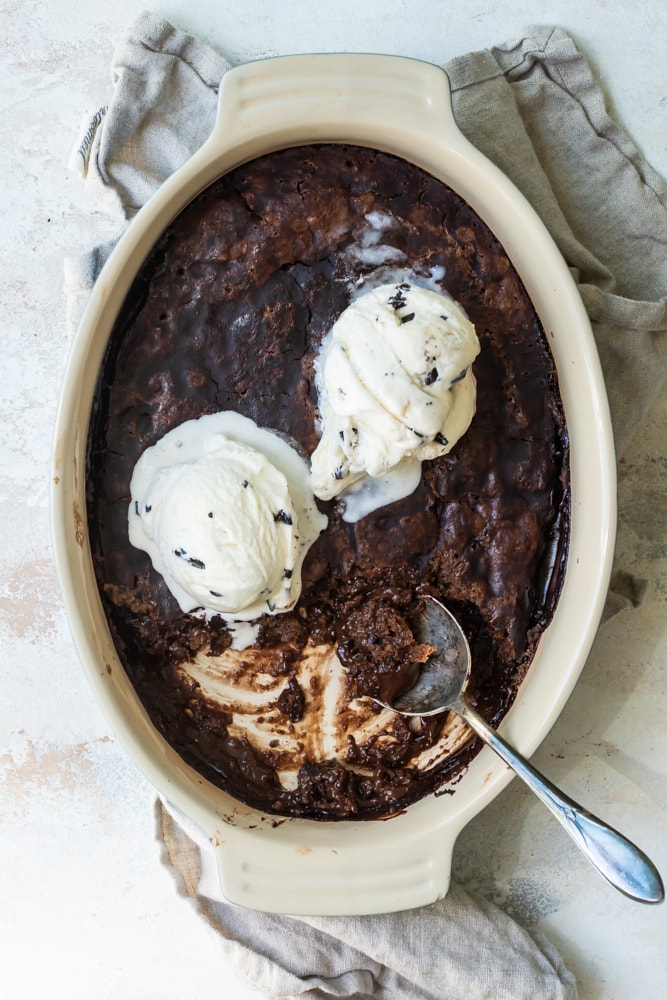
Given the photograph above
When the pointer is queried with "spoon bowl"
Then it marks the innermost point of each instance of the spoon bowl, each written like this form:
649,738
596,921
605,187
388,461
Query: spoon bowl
440,688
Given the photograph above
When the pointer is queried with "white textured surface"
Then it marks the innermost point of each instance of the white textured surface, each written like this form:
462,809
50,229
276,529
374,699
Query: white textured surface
87,910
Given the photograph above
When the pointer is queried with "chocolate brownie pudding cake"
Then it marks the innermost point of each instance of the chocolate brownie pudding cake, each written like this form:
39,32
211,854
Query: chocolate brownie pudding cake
227,331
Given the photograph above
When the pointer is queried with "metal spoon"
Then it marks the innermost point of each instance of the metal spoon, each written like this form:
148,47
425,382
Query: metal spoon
440,689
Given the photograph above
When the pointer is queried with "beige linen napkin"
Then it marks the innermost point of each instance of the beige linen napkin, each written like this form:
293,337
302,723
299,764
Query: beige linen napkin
533,107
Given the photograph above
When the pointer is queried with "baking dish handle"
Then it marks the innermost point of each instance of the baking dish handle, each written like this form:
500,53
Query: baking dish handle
340,874
328,98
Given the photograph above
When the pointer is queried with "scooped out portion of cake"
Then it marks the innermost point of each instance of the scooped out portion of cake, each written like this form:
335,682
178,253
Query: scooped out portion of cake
232,316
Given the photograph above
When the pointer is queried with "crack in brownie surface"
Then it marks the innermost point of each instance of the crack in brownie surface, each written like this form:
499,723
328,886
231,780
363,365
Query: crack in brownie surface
228,313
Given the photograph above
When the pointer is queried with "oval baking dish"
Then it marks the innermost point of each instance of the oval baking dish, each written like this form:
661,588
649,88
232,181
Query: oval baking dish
297,865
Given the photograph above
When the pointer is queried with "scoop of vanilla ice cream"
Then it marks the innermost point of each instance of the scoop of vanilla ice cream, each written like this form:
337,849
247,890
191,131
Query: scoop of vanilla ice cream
225,511
395,386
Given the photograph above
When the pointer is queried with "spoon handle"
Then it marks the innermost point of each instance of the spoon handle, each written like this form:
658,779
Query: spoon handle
620,861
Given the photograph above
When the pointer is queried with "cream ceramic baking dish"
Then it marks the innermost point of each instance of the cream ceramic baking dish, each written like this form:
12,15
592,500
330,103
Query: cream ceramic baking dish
301,866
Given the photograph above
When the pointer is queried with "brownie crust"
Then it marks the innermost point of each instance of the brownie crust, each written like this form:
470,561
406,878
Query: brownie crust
228,313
